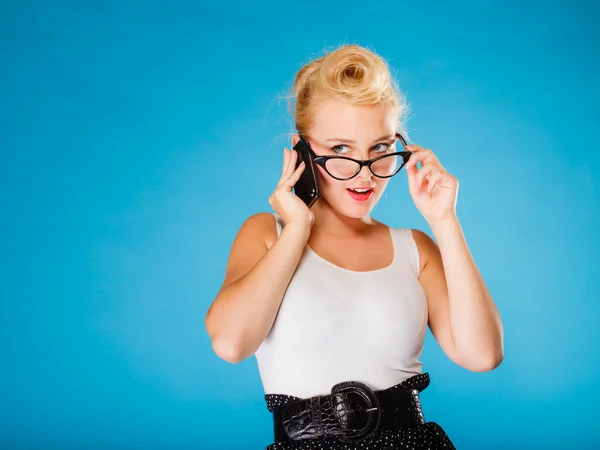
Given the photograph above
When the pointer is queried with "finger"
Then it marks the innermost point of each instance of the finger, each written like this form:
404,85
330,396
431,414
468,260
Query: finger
291,163
286,157
414,148
293,179
411,174
411,169
421,154
289,168
424,173
434,180
414,158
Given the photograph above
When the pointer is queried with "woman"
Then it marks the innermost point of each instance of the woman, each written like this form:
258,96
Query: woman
335,304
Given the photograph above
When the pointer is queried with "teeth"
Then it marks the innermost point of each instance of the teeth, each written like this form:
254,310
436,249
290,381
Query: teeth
361,190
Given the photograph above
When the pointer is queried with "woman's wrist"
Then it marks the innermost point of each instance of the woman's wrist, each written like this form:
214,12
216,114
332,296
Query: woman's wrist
301,230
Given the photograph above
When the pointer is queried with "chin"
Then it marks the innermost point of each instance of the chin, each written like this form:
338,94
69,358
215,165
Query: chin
354,209
357,213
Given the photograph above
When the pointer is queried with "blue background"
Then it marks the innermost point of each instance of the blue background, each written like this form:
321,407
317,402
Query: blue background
136,137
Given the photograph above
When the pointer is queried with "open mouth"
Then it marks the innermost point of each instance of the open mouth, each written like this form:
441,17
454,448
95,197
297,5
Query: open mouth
360,195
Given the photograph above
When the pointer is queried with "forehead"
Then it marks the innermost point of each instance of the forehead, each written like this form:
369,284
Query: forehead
346,120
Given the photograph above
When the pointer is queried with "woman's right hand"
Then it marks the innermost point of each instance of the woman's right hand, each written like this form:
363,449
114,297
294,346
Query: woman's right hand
285,202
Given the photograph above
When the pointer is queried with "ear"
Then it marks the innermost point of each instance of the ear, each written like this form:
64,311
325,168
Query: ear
295,139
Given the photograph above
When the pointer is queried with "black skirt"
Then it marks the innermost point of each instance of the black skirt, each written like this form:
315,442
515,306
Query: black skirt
428,435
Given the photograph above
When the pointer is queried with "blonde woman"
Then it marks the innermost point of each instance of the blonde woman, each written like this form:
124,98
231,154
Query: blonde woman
335,304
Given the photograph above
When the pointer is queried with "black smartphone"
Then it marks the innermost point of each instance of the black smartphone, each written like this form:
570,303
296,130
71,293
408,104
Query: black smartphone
307,187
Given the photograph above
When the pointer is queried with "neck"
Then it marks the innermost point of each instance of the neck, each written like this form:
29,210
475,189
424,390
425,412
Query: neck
330,222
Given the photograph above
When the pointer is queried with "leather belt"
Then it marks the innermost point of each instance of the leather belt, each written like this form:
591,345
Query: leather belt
351,413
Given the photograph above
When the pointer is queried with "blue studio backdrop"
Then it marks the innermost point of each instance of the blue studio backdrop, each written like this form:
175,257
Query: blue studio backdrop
137,136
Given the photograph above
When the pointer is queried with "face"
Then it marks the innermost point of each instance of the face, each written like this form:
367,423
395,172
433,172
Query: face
358,132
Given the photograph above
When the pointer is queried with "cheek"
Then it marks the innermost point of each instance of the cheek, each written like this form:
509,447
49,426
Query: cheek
329,184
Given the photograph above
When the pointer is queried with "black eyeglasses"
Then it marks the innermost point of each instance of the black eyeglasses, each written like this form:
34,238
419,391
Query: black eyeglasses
343,168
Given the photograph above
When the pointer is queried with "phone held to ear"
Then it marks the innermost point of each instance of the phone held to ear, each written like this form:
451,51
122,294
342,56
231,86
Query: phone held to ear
307,187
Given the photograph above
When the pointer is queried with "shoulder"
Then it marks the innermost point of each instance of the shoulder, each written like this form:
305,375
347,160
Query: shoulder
261,226
426,246
249,246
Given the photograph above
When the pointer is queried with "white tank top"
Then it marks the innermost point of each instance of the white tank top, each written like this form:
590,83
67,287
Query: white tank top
339,325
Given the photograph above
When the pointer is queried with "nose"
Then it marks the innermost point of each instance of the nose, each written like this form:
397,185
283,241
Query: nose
365,173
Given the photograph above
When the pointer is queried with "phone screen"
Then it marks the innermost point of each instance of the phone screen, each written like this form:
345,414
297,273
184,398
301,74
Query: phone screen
307,186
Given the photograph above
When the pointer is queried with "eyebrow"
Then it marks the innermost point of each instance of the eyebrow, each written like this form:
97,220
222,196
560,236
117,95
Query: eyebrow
386,137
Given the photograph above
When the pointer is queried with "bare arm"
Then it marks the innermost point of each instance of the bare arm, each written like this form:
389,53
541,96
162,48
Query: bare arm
462,315
258,272
256,279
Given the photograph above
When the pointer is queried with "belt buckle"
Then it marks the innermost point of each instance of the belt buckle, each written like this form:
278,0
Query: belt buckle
360,395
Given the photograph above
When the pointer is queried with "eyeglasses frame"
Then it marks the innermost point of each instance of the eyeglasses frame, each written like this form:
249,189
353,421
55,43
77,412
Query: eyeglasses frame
322,160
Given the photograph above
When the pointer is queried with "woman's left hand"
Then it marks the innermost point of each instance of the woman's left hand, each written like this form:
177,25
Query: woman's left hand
432,188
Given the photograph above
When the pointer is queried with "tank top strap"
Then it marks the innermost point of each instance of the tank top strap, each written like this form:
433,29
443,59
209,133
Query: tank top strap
279,223
405,248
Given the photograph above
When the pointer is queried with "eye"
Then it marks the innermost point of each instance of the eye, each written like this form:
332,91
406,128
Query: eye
382,148
339,149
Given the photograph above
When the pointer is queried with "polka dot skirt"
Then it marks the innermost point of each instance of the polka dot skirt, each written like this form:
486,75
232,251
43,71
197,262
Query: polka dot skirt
426,436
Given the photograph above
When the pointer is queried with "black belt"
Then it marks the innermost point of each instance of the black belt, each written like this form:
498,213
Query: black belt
352,412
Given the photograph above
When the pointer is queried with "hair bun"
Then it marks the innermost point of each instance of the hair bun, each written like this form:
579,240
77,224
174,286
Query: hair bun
349,73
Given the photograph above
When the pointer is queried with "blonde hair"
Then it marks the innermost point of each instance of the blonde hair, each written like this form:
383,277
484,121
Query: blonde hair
350,73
